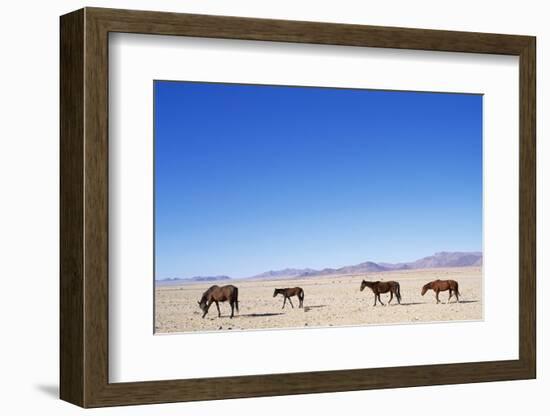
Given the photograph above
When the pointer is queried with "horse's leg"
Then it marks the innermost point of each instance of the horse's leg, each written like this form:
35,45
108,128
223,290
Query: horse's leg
450,294
391,297
218,307
456,296
291,303
374,300
207,307
232,309
437,295
284,302
380,300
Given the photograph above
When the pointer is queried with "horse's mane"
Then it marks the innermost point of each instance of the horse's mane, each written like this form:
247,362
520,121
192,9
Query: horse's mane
207,292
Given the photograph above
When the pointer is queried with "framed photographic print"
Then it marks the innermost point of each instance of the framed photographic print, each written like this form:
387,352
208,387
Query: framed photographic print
255,207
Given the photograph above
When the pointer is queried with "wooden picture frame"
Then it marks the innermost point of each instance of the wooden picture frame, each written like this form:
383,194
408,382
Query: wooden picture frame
84,207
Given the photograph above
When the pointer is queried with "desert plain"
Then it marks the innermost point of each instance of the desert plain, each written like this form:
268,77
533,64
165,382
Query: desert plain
330,301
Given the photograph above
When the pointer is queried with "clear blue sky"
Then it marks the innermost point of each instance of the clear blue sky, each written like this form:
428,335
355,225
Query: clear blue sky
256,178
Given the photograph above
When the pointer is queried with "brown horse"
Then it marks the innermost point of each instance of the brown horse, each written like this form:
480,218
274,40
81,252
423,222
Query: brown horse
288,292
383,287
220,294
441,286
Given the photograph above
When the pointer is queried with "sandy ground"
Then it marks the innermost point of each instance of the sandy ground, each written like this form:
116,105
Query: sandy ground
329,301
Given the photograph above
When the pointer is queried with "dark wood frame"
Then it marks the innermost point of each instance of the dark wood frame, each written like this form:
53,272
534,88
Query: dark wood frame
84,207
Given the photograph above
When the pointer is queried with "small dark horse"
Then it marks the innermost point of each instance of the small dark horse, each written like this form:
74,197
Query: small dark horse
441,286
291,291
383,287
220,294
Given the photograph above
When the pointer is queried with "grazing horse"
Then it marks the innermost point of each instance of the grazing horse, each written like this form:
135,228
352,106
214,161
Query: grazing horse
441,286
383,287
220,294
288,292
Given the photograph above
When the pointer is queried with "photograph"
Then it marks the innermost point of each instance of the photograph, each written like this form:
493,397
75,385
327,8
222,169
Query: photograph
285,207
278,206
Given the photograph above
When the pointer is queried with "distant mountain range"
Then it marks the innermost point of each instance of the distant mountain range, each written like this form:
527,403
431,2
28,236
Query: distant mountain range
441,259
438,260
196,279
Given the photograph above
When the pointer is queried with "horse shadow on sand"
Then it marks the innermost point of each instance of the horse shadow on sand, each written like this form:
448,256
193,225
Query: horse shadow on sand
308,308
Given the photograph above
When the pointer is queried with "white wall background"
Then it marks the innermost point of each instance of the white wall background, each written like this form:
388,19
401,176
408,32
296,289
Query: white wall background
29,206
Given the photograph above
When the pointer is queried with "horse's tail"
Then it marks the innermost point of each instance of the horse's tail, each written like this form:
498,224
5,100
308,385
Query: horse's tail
301,295
457,292
398,292
237,299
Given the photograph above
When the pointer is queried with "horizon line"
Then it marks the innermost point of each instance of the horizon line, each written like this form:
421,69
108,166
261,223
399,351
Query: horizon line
480,252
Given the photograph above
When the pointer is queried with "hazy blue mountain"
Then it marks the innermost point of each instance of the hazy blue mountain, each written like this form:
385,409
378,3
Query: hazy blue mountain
194,279
288,272
367,266
448,259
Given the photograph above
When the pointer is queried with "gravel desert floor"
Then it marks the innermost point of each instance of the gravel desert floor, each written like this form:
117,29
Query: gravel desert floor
329,301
